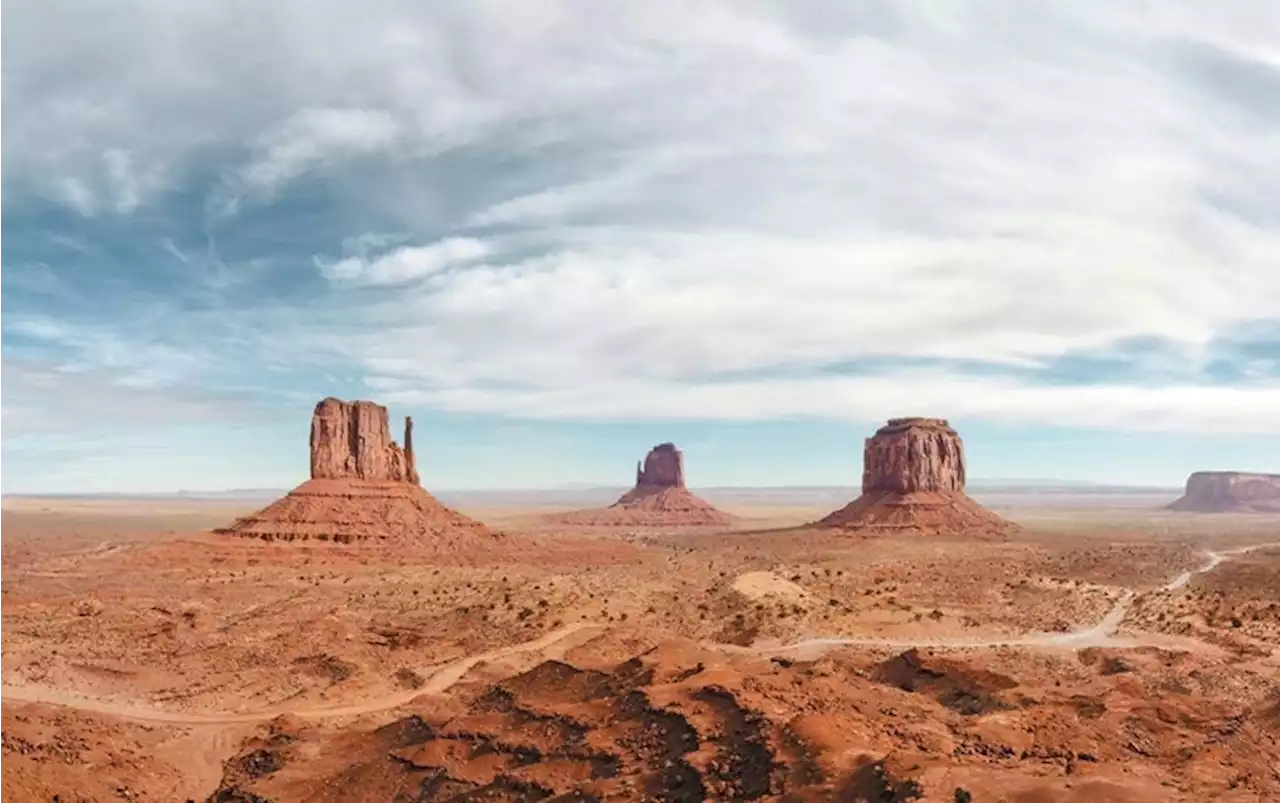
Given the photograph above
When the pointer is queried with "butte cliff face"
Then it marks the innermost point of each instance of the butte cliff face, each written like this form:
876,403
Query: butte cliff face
663,467
1230,492
352,440
363,487
908,455
913,479
659,499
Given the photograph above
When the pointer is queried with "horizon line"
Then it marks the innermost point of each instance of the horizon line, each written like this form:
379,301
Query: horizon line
993,484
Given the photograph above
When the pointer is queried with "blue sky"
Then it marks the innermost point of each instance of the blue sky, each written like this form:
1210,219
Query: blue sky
557,233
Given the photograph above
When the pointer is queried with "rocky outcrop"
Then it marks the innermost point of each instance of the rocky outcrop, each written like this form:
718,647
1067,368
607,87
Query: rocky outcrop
685,721
352,440
659,499
913,454
363,487
663,467
913,476
1230,492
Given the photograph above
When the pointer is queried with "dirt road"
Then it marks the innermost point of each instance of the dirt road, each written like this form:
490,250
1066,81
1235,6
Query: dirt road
1102,634
442,677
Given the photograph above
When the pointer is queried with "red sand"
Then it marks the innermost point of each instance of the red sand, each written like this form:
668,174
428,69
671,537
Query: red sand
651,507
927,512
346,511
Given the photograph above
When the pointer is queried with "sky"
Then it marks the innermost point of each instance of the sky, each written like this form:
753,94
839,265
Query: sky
558,233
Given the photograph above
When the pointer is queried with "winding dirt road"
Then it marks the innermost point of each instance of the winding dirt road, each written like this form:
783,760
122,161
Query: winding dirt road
442,677
1102,634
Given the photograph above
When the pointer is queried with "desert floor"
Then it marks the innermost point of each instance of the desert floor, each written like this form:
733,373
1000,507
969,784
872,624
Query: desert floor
1108,653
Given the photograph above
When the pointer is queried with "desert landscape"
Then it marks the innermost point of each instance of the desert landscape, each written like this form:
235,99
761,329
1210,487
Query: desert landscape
359,640
570,401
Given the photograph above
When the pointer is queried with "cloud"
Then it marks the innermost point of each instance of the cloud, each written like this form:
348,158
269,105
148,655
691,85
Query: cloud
43,399
611,304
730,210
404,264
308,139
875,397
132,362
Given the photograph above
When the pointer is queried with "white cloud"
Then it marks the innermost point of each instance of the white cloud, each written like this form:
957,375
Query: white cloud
134,362
405,264
41,399
311,137
673,197
1176,408
124,180
616,304
111,182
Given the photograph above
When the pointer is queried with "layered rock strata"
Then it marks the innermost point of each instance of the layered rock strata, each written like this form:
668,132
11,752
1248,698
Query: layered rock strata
352,440
659,499
1230,492
913,477
363,487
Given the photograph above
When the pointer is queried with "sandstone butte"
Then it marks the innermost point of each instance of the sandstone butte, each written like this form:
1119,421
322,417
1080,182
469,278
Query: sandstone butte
1230,492
913,479
363,487
659,499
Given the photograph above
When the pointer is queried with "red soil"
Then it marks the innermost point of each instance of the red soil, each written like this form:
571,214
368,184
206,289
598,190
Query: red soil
927,512
651,507
346,511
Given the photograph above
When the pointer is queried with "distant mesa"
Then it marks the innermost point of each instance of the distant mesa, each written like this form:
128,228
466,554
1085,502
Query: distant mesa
913,478
363,487
659,499
1230,492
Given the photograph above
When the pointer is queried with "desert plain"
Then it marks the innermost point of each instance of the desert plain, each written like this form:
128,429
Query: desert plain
1107,650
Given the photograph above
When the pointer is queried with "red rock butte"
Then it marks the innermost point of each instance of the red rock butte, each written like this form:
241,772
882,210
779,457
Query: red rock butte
363,487
1230,492
913,479
659,499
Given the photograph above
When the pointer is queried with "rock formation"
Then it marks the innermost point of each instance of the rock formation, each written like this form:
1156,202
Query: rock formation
663,467
363,487
913,481
659,499
1230,492
351,440
678,721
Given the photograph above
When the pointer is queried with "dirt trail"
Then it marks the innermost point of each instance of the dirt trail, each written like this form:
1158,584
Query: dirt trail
1102,634
1212,562
440,678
